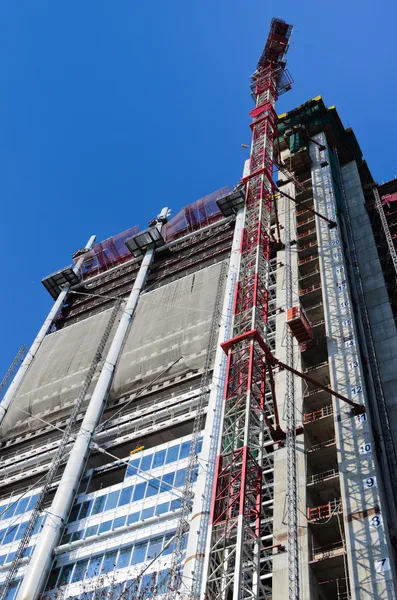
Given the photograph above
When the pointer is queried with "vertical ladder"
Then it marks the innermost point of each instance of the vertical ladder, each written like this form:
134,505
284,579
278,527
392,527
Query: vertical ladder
390,244
292,488
11,369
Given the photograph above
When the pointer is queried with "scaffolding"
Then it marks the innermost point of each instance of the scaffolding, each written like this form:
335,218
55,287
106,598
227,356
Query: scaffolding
236,547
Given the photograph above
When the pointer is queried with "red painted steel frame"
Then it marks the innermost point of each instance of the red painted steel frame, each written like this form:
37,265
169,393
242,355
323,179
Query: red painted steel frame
236,547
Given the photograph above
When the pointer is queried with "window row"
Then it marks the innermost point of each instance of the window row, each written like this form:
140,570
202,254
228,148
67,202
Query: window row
126,495
150,585
16,532
17,507
161,457
115,559
117,522
8,558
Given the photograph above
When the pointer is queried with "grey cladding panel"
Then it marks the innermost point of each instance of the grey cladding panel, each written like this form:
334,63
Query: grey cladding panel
56,374
171,322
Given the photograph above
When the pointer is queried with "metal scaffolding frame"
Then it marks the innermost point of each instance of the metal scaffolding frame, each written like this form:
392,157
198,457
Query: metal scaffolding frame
237,512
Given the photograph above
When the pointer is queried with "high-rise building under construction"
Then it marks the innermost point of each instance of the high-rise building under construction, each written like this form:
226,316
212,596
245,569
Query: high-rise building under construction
208,411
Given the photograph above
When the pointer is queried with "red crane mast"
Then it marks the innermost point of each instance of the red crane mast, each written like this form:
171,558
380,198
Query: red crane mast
236,516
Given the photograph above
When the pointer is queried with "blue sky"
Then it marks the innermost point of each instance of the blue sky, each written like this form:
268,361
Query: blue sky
110,110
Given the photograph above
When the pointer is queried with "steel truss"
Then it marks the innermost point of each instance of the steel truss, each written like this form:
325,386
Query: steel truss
236,547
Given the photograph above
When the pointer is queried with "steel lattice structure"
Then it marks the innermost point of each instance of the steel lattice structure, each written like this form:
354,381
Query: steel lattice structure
235,544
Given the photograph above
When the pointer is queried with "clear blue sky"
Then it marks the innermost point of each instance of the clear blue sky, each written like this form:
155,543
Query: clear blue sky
111,109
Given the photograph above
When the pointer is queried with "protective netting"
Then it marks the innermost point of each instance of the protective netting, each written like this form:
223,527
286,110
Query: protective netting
53,381
201,213
171,322
107,254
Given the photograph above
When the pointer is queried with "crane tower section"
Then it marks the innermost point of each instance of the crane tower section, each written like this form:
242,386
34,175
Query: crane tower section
248,421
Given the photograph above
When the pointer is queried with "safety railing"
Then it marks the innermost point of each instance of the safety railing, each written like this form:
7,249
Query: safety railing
326,511
326,411
324,476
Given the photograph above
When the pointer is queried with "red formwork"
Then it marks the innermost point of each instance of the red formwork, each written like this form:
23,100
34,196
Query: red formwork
199,214
107,254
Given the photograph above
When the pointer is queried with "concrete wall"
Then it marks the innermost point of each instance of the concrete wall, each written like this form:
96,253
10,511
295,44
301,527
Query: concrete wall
383,327
366,536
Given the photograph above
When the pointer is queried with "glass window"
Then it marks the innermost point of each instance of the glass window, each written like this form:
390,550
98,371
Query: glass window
66,538
172,454
168,549
11,531
147,513
117,591
52,580
133,518
73,513
22,506
146,462
79,570
85,509
33,501
92,530
175,504
77,535
106,526
66,574
194,476
185,450
159,459
124,557
12,590
3,559
125,496
200,446
180,477
39,523
155,545
162,508
95,566
139,491
162,582
99,505
87,596
21,530
119,522
28,551
112,500
148,585
133,467
139,553
11,556
167,481
132,588
2,534
153,488
109,562
2,511
10,510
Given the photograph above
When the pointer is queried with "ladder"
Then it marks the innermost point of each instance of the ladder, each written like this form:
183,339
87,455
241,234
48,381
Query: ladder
386,229
13,366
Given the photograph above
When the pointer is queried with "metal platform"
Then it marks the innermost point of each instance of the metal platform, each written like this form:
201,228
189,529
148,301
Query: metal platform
55,282
144,240
230,204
